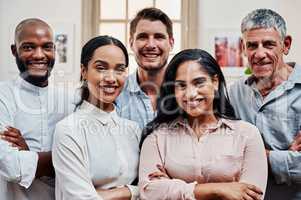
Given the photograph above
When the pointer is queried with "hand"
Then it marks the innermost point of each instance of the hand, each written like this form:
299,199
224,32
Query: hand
15,138
296,144
119,193
162,173
239,191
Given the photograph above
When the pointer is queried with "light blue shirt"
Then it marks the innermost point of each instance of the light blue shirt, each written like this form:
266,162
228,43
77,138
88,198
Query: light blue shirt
278,118
134,104
34,111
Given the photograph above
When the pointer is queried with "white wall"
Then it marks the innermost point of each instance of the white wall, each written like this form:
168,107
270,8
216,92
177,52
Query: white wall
62,15
214,16
225,16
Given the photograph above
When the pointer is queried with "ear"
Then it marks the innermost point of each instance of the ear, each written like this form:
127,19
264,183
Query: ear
83,72
242,46
13,49
287,44
215,82
131,41
171,43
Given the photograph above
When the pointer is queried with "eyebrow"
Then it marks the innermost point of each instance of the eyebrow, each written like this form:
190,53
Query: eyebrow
102,62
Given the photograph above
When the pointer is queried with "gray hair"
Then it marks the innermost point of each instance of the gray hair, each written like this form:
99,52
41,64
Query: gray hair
264,18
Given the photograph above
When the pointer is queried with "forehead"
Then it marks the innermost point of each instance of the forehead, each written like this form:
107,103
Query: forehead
190,70
261,34
110,53
150,27
34,33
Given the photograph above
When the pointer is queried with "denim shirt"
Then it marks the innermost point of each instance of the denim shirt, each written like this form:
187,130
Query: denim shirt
134,104
278,118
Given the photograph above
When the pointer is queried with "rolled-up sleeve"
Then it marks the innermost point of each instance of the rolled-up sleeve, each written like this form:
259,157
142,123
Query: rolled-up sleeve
286,166
159,188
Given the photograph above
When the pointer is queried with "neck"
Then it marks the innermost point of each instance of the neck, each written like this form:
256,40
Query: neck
266,85
36,82
150,81
202,123
107,107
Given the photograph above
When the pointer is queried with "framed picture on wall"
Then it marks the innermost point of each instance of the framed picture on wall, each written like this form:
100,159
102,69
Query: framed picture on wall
227,51
64,51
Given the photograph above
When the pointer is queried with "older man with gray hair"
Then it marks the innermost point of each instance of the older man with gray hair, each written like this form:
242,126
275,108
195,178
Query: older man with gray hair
271,99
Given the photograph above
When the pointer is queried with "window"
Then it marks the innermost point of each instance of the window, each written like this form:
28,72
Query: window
112,17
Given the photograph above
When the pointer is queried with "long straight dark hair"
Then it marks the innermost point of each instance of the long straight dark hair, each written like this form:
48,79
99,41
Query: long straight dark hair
87,54
167,106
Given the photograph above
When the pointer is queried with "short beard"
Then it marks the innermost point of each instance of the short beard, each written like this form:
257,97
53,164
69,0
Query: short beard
35,80
154,71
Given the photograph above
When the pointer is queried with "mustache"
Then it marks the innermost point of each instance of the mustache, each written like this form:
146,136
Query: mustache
23,69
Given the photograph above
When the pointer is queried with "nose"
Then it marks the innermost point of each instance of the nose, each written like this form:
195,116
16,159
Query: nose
38,53
260,52
191,92
151,43
110,76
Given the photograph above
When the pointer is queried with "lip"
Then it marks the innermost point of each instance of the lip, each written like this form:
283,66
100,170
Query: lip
194,103
109,89
38,64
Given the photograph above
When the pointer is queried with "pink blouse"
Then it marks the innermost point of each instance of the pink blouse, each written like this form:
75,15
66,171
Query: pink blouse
231,151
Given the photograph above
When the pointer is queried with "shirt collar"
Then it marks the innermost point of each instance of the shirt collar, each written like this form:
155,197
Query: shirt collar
132,84
100,115
23,84
296,73
221,122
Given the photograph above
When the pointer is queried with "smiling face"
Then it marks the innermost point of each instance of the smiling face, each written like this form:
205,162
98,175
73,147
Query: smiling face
105,74
264,49
151,44
34,51
194,89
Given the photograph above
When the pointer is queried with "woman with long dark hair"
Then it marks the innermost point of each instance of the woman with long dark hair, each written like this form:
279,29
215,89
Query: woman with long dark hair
195,147
95,152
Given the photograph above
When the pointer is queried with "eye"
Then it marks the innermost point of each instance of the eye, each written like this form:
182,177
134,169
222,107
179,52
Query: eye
120,69
142,36
27,47
269,44
100,68
180,85
160,36
48,47
251,45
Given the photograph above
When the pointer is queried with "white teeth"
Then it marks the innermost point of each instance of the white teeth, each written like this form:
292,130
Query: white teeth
109,89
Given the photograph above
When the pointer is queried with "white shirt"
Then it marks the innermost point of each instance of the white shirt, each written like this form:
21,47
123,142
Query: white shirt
34,111
94,149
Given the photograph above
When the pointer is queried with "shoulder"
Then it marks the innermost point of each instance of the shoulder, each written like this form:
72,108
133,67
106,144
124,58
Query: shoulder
164,131
240,83
129,126
6,88
244,128
68,127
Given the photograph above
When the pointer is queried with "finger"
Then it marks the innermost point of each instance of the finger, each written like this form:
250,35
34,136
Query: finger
16,146
247,197
255,189
10,139
161,168
13,130
157,175
11,133
253,195
298,147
